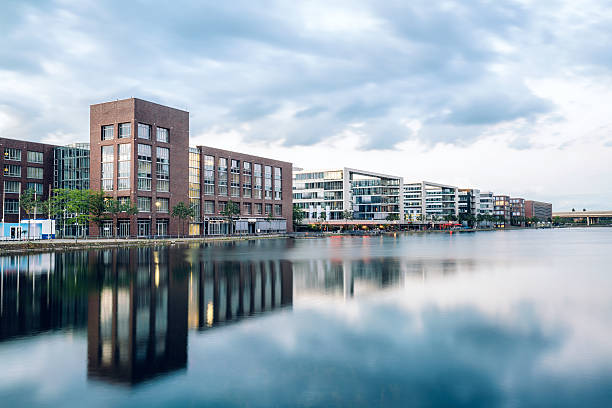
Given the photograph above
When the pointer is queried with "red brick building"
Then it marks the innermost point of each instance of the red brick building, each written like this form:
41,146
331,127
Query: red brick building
538,209
140,152
25,165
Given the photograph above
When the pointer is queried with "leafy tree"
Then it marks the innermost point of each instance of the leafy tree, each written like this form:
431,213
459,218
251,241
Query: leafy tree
99,204
298,215
392,217
28,203
450,217
322,217
182,211
347,215
78,206
231,210
115,207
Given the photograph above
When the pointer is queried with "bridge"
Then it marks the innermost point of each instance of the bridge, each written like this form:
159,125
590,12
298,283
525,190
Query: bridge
592,217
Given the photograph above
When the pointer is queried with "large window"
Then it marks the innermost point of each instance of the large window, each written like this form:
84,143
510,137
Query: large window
268,182
12,186
235,179
247,209
35,187
11,206
144,131
278,210
258,181
144,167
194,173
12,154
162,134
35,157
144,204
268,209
108,132
12,170
35,172
125,164
222,186
108,155
277,183
209,207
257,209
209,175
162,205
195,204
162,158
125,130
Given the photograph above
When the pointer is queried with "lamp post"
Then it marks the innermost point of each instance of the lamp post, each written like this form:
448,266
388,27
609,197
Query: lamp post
157,205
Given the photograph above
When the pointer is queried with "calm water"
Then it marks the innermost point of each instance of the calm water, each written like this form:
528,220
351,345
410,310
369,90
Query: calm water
498,319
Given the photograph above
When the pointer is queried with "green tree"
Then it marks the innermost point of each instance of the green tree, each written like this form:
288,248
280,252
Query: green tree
392,217
322,217
28,203
298,215
450,217
116,207
231,210
182,211
347,215
99,204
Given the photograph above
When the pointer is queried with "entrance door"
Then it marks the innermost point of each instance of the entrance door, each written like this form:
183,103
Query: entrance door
15,232
162,228
144,228
124,228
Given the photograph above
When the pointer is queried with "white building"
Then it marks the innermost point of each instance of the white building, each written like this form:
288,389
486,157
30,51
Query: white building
347,193
427,201
487,202
469,201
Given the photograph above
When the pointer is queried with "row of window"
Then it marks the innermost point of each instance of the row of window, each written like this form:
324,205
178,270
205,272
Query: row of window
15,154
162,205
14,170
15,187
144,132
246,209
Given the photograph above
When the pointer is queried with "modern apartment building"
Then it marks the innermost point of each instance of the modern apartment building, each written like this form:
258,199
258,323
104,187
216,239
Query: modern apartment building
538,209
346,192
487,202
427,201
502,210
259,186
517,211
469,201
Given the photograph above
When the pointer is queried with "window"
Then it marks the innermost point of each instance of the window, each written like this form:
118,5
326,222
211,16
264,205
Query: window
144,131
11,206
162,159
144,204
278,210
247,208
162,134
195,204
125,155
235,185
246,168
108,156
35,187
222,206
277,183
144,167
12,154
222,186
257,183
35,172
268,209
35,157
12,186
108,132
162,205
209,207
125,130
12,170
268,183
209,175
194,173
257,208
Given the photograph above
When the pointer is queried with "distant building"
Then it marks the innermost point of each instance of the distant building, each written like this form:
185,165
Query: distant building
517,211
487,202
427,201
338,193
469,201
538,209
502,210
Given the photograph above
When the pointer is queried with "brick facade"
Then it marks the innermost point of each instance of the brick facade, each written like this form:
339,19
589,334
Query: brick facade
46,166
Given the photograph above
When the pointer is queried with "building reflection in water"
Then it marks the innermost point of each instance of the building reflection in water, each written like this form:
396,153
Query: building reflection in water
224,292
348,278
42,292
137,325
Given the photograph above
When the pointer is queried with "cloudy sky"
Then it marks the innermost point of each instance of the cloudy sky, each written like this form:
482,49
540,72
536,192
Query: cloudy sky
508,96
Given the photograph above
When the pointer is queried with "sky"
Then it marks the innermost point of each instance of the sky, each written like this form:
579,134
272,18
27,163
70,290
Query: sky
505,96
